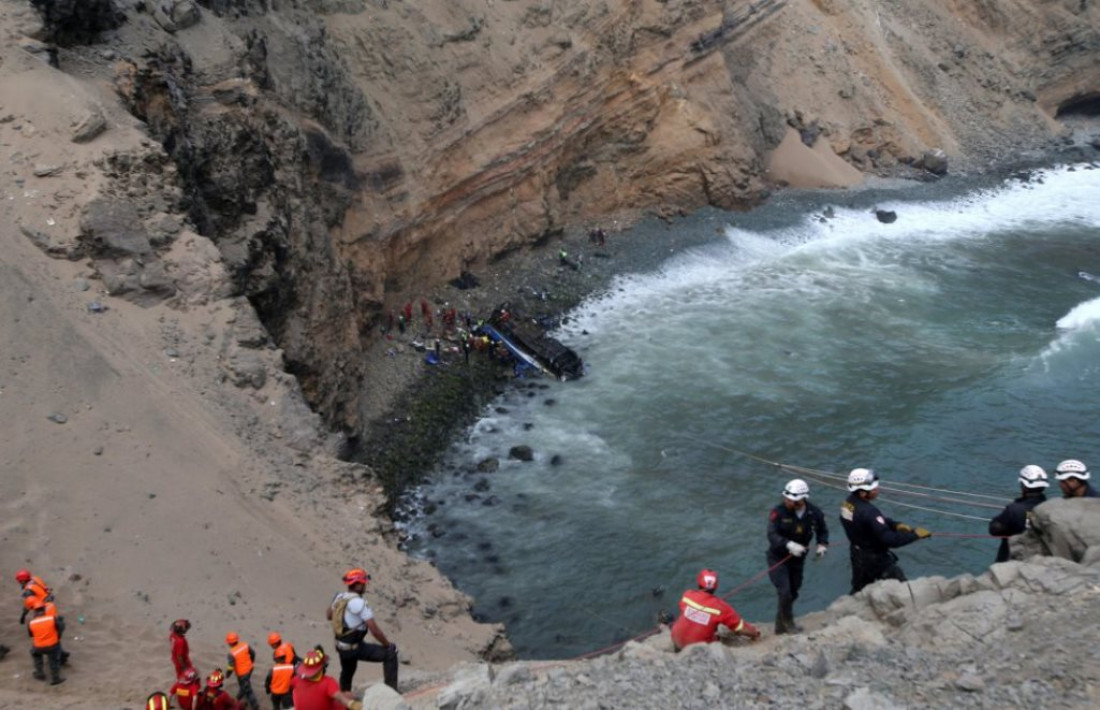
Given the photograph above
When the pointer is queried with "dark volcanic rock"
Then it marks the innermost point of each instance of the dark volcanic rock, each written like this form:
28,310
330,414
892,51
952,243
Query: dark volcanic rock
77,21
521,453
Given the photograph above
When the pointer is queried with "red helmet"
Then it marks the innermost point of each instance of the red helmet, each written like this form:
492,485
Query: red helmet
274,639
232,638
23,576
157,701
190,675
215,679
707,580
311,665
356,575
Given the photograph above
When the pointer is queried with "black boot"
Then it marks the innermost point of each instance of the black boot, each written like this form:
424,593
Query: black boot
781,624
786,610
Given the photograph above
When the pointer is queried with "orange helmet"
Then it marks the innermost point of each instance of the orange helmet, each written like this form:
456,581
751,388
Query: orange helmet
232,638
157,701
274,639
23,576
215,679
356,575
707,580
311,665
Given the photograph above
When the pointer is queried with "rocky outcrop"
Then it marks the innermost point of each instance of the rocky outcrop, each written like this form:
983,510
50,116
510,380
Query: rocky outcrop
1018,635
77,21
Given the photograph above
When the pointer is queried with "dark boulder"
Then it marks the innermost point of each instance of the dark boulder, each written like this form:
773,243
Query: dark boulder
70,22
886,216
521,453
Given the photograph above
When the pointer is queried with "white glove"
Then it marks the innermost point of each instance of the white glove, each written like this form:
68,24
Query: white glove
795,549
820,551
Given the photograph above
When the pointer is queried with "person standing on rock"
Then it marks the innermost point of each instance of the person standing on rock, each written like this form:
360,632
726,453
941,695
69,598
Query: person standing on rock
181,651
1073,478
791,526
872,535
701,613
241,660
352,619
1013,519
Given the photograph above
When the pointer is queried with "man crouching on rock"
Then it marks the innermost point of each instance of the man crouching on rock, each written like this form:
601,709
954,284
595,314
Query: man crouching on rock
351,620
701,613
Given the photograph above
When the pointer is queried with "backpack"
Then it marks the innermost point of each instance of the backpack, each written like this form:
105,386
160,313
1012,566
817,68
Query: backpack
339,629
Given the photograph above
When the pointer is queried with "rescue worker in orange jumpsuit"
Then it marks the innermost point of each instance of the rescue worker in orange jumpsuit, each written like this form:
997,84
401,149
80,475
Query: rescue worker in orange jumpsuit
242,659
313,690
277,685
181,651
283,651
33,590
156,701
45,629
186,690
213,697
701,613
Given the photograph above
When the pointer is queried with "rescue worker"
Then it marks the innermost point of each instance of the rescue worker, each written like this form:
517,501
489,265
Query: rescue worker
181,650
352,619
791,526
283,651
213,697
186,690
33,590
1073,478
701,613
29,604
242,659
871,534
313,690
45,630
1013,519
277,684
156,701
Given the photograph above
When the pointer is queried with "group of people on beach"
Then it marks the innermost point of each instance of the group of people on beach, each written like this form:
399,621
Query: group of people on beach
795,523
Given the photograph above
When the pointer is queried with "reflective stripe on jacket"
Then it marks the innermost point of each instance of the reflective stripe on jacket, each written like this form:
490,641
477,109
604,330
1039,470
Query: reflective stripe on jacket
242,659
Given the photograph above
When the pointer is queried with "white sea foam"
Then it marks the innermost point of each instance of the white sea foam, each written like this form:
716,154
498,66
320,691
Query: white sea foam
1084,315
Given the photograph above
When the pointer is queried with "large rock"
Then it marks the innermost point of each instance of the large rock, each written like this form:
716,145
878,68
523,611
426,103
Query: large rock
1062,528
382,697
175,15
112,228
77,21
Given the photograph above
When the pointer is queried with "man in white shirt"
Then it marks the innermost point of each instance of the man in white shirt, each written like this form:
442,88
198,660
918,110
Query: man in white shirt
352,619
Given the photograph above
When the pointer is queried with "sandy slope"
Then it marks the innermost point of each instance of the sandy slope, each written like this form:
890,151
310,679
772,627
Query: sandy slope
167,492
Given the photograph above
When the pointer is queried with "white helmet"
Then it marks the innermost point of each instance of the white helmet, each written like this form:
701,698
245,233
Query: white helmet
796,490
862,479
1032,476
1071,468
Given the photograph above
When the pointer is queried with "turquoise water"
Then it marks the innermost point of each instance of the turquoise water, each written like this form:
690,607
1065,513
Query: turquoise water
947,349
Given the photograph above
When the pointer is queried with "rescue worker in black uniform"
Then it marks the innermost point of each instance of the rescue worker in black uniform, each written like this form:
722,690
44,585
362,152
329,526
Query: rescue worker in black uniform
1073,478
871,534
1013,519
791,526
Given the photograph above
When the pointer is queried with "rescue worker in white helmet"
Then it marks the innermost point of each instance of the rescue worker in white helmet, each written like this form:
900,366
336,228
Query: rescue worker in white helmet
1013,519
872,535
791,526
1073,478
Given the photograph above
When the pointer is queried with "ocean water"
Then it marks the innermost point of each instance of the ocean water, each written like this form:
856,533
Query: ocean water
947,349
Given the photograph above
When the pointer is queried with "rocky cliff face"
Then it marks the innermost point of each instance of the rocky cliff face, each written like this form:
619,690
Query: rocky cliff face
347,155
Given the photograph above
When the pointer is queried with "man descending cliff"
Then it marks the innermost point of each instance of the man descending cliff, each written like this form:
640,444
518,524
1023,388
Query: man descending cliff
1073,478
701,613
351,621
791,526
1013,519
872,536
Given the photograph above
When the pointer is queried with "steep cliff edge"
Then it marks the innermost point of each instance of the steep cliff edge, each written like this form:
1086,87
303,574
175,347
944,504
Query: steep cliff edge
348,155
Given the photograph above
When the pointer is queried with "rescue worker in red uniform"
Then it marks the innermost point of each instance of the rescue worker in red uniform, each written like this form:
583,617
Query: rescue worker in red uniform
45,629
213,697
313,690
283,651
277,685
181,651
156,701
791,526
186,690
242,660
701,613
871,534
